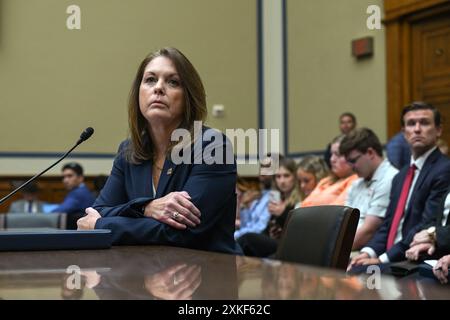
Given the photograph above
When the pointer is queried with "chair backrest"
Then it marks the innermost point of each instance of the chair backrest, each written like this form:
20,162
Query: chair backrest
33,220
321,236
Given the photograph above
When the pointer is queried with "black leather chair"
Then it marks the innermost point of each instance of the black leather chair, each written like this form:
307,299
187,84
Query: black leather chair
33,220
321,236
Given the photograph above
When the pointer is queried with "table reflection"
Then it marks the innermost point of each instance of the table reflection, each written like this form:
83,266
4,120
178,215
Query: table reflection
178,282
285,281
169,273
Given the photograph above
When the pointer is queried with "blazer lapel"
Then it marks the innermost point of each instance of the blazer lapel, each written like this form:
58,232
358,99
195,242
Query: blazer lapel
166,174
143,177
426,169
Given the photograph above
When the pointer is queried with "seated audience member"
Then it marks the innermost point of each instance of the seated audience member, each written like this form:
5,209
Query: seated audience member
333,189
265,244
29,202
370,193
440,270
434,239
79,196
254,209
416,190
310,170
245,195
443,146
160,191
347,122
398,151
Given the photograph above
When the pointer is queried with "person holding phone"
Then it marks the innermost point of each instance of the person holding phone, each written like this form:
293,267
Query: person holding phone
282,200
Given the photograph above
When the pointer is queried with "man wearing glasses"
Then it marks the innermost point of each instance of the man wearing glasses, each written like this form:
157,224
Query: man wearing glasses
370,193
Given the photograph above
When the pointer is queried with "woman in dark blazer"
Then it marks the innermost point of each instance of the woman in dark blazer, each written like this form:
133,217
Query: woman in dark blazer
161,191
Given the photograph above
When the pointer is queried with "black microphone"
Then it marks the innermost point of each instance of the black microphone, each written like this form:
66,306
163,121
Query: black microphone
86,134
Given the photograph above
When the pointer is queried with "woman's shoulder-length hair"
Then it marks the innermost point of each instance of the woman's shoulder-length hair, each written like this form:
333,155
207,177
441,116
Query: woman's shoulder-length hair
141,146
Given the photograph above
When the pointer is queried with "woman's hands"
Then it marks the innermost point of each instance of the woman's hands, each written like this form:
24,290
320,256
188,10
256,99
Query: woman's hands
178,282
89,220
174,209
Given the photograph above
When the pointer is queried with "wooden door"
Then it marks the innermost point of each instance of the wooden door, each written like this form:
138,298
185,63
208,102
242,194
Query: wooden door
417,57
430,65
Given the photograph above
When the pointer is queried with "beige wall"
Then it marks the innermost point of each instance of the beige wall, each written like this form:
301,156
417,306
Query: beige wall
54,82
324,79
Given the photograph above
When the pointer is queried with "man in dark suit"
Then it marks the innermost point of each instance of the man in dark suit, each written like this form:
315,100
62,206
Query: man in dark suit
434,239
416,190
79,196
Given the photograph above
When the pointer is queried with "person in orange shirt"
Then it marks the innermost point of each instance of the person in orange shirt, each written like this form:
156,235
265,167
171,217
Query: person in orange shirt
310,171
333,189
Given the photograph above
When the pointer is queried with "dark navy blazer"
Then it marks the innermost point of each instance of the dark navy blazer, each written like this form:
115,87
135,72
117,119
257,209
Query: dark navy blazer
431,185
443,232
211,187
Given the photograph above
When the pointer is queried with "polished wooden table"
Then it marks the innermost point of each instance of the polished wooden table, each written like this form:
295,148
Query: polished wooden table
158,272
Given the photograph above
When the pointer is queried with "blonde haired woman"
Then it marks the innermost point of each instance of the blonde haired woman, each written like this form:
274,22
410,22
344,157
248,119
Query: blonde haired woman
265,244
310,170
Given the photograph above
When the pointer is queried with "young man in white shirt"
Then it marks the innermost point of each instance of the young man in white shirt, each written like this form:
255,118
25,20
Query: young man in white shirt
370,193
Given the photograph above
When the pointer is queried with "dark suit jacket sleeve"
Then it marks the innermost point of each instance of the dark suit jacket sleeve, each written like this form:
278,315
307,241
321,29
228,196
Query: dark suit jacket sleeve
72,202
75,201
113,200
429,214
211,187
443,240
443,232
